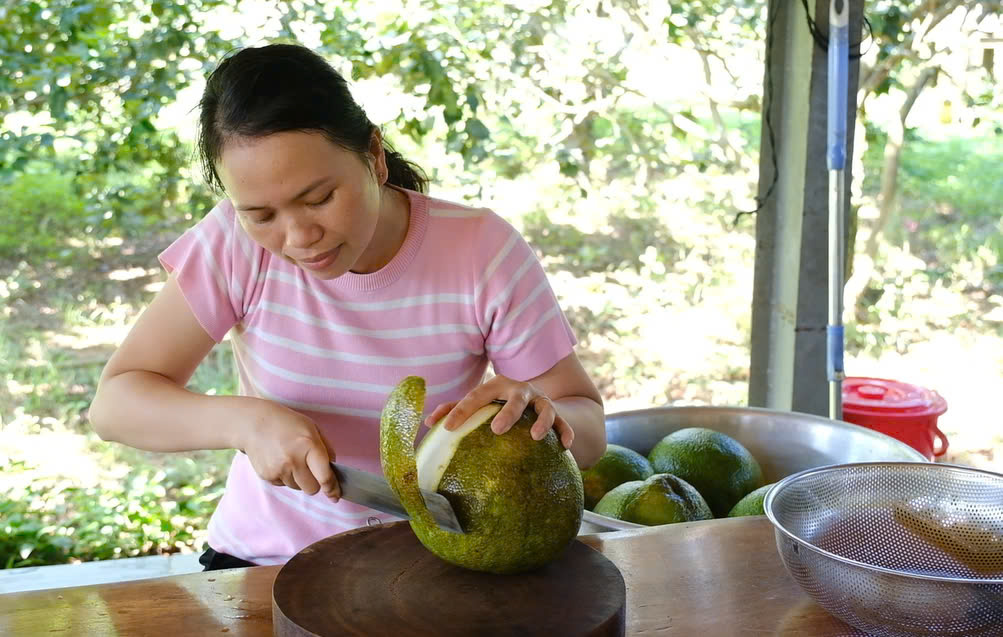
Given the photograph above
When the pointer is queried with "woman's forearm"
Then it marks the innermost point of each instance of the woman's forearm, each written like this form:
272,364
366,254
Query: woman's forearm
588,420
148,411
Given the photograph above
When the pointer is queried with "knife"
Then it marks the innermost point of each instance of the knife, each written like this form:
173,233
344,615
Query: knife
373,491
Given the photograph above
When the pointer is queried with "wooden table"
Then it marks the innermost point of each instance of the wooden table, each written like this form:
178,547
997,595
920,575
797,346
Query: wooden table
719,577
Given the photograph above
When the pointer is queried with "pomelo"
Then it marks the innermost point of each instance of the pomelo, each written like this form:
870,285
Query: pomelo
616,466
720,468
660,499
518,500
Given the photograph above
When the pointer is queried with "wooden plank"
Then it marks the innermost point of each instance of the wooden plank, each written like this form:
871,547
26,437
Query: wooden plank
719,577
235,602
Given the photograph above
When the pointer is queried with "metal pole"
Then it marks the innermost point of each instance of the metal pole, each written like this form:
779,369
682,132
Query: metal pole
839,61
834,364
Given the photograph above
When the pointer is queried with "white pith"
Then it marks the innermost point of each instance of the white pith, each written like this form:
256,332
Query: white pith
436,449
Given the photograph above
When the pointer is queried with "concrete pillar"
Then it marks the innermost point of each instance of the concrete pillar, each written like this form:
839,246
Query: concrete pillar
778,223
790,288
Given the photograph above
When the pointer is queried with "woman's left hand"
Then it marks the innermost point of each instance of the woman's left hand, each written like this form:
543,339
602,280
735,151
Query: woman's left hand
517,396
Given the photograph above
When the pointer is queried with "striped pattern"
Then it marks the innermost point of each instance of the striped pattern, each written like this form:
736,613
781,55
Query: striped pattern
465,289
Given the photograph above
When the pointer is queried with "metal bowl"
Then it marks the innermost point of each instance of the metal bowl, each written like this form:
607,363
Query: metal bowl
783,442
896,549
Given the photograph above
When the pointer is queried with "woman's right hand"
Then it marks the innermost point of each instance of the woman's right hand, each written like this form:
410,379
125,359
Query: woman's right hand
286,449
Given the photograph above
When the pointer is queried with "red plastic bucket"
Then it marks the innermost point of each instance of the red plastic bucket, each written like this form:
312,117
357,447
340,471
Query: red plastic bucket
903,411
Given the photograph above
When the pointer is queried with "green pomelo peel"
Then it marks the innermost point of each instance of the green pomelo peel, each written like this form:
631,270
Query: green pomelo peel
519,501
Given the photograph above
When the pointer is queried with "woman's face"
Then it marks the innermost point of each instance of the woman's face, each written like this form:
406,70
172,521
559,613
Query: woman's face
307,200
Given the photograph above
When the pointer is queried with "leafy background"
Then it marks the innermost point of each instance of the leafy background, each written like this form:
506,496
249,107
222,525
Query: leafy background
621,137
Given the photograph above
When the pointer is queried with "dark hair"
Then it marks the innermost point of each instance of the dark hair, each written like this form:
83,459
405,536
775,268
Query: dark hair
286,87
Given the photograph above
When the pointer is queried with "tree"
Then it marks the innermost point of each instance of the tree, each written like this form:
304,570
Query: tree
909,58
97,74
914,47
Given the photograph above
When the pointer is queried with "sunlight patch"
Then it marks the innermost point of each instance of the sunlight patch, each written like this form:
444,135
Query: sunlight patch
54,452
127,274
81,338
15,388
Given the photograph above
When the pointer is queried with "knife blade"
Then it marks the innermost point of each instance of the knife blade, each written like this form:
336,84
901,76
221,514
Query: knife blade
373,491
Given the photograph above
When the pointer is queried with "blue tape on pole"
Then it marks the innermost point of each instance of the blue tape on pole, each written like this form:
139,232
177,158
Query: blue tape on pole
834,352
838,68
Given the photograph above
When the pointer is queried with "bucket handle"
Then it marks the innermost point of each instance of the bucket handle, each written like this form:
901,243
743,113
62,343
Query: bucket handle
943,442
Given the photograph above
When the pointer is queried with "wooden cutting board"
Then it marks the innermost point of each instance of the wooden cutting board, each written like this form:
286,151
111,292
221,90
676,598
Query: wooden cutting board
380,580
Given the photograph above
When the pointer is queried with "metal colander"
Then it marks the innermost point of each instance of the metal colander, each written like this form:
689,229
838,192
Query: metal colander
896,548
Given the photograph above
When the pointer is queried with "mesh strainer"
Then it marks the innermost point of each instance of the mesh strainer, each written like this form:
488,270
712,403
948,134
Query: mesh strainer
896,548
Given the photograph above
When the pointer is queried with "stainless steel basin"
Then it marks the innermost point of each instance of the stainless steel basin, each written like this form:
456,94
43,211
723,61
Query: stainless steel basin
783,442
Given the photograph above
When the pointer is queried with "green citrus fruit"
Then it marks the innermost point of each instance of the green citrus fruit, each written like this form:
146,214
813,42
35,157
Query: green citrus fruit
616,466
751,504
720,468
660,499
518,500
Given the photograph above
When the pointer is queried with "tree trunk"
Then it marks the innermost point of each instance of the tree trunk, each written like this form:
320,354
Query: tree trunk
861,276
893,155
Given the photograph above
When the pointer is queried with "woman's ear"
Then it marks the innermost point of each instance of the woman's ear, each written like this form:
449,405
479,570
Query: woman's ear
379,157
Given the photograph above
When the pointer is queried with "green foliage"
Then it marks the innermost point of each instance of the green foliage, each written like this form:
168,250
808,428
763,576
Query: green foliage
887,23
149,512
101,78
57,386
478,66
948,204
216,374
74,60
41,210
941,256
951,194
622,245
52,387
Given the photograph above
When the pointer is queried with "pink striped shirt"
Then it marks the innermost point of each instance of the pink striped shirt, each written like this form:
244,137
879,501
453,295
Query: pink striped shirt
464,289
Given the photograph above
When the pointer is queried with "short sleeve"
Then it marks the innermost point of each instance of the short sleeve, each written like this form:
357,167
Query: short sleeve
526,332
214,266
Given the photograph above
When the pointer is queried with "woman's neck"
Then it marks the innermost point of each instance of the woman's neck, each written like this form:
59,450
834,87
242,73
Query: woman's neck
391,228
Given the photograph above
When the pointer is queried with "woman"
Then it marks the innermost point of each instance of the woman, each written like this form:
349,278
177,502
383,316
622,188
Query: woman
335,276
